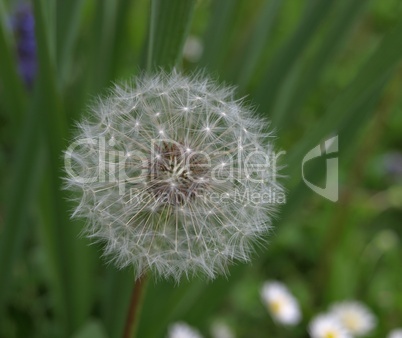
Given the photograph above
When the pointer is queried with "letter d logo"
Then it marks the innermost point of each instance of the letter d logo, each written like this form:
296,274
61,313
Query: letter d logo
331,184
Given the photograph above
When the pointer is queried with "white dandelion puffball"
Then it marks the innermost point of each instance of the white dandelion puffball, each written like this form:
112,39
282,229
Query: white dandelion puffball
396,333
183,330
281,304
174,176
327,326
354,316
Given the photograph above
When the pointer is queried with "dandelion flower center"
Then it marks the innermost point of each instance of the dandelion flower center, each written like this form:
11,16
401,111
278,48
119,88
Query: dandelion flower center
176,174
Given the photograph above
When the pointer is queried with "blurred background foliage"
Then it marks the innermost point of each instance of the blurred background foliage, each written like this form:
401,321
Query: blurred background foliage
315,68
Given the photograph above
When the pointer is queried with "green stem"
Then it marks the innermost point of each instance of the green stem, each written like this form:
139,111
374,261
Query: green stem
134,311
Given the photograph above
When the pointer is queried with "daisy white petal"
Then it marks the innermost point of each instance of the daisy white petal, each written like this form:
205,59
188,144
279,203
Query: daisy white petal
183,330
354,316
221,330
326,326
396,333
281,304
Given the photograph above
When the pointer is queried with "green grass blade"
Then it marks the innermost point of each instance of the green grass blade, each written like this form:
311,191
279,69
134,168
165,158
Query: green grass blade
356,120
224,14
70,256
123,34
349,109
69,16
104,31
92,329
167,311
55,131
115,299
187,301
169,26
258,40
102,59
386,57
19,200
345,18
293,48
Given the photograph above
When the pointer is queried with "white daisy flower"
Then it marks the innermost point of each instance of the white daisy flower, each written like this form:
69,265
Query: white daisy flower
327,326
193,48
283,307
396,333
183,330
354,316
221,330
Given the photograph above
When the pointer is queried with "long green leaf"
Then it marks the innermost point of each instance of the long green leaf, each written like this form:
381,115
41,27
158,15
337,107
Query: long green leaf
68,254
349,110
346,131
169,26
292,50
91,329
20,198
13,92
287,105
122,34
224,13
386,57
104,34
115,299
55,131
69,16
258,40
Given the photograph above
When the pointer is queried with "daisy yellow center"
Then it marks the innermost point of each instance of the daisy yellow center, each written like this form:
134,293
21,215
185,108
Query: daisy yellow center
275,306
351,322
330,335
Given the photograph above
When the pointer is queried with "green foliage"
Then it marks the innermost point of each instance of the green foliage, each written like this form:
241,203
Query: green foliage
316,68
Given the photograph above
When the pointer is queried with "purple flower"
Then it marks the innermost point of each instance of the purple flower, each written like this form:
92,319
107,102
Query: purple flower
23,24
392,163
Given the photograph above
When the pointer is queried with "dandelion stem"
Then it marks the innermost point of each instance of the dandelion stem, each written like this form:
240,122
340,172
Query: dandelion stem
134,310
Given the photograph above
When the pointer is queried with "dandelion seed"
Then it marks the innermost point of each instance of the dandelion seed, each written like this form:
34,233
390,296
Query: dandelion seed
282,305
354,316
180,203
183,330
327,326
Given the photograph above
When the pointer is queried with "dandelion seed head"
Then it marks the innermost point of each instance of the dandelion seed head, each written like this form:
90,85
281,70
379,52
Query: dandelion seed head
169,187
